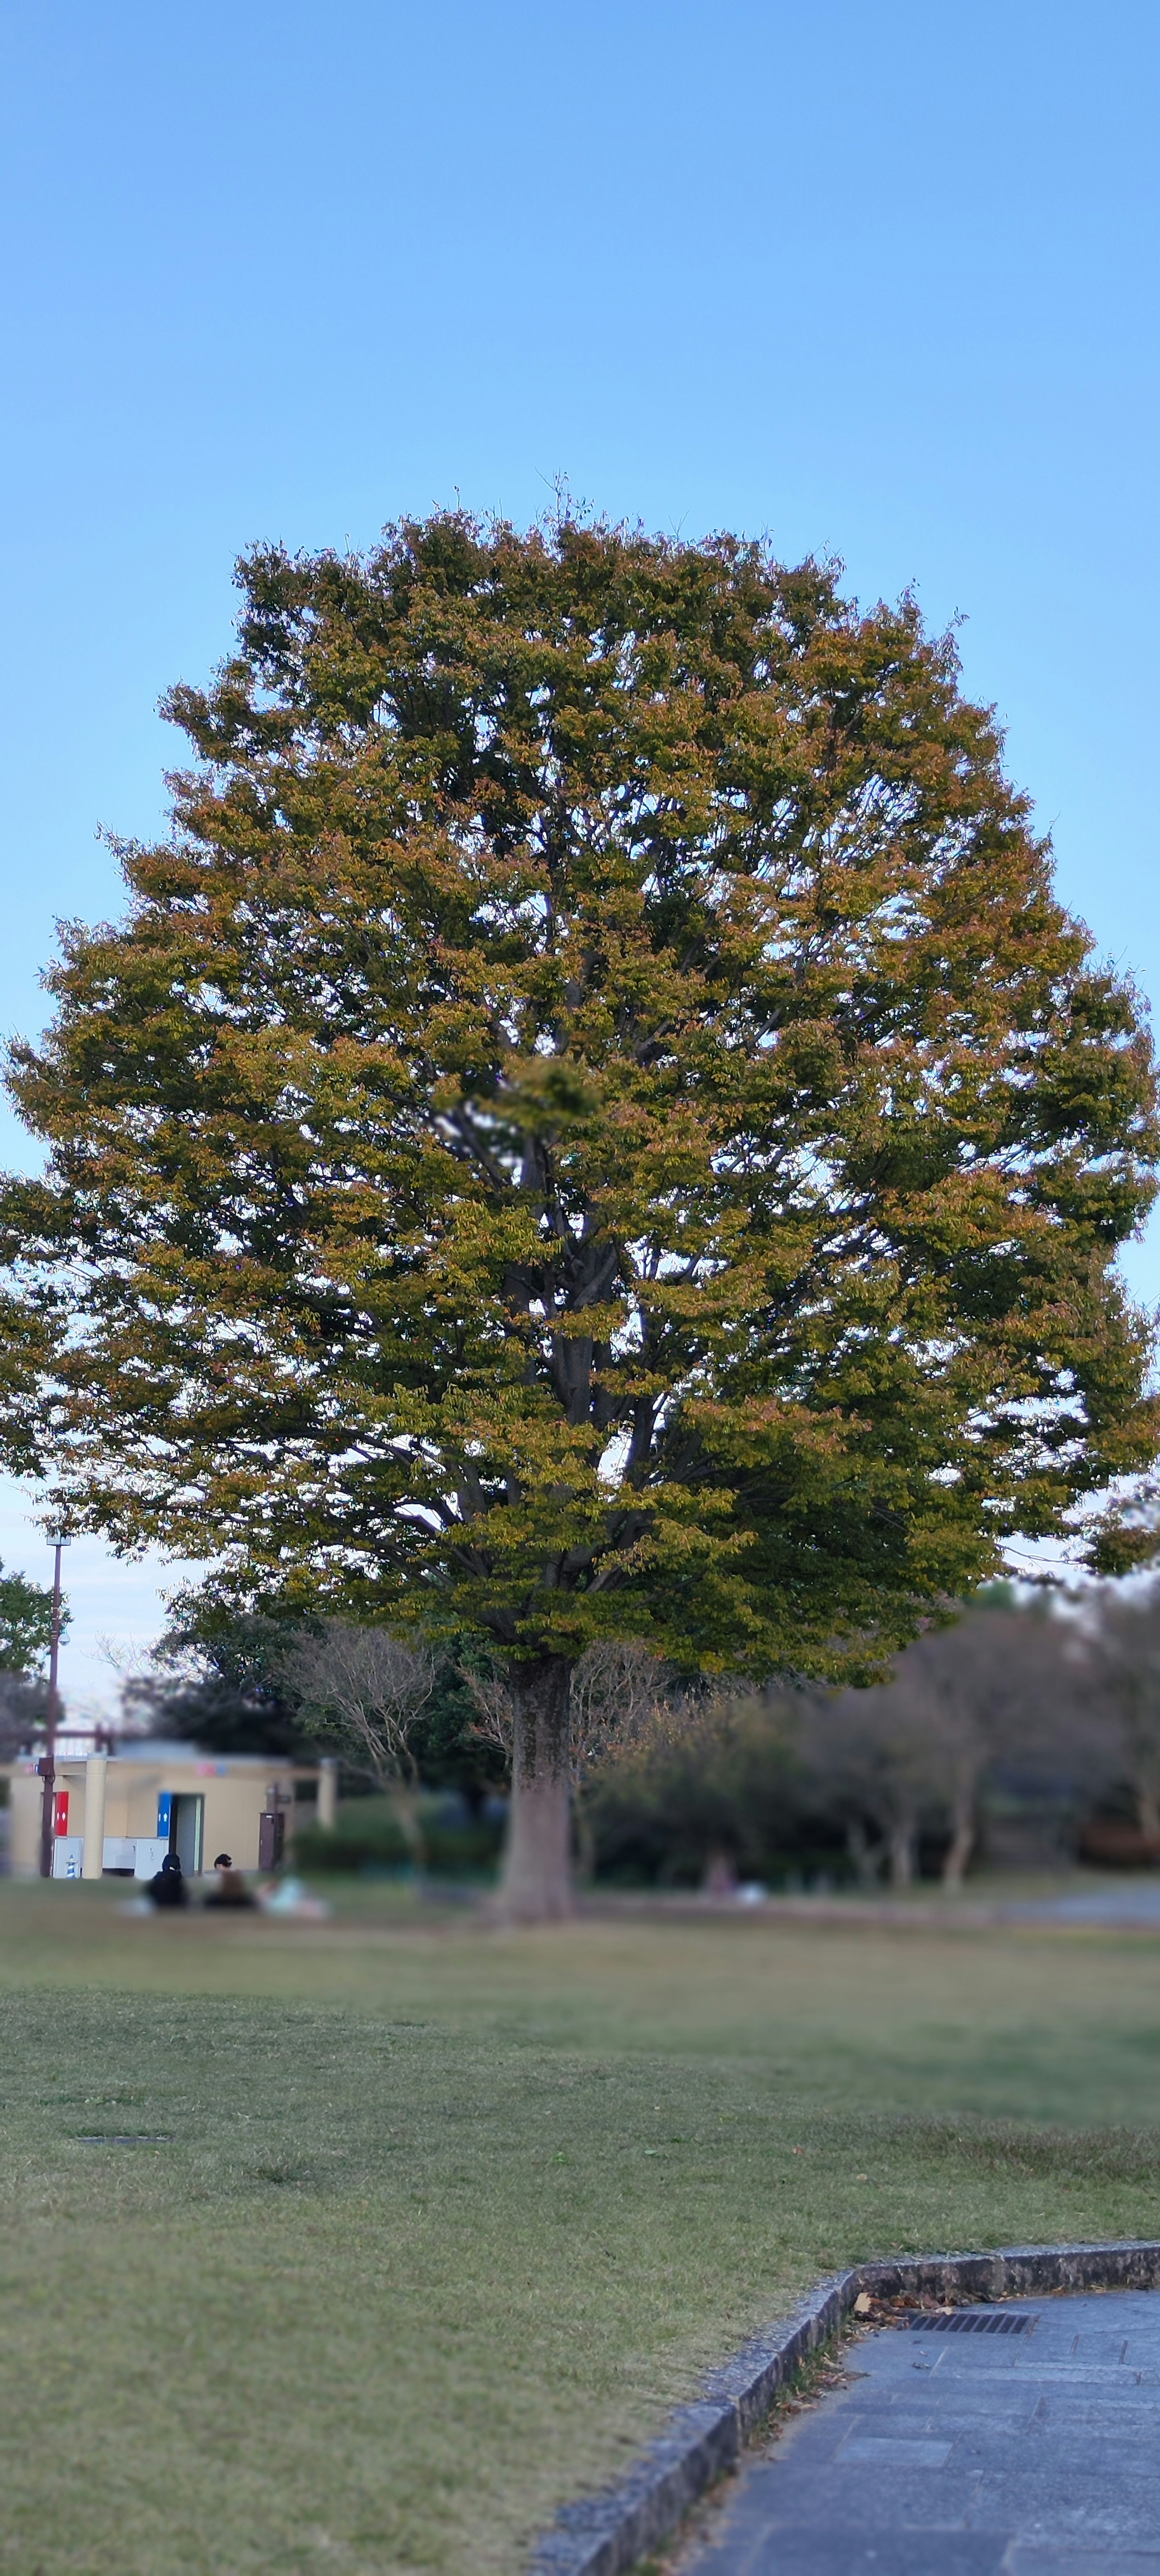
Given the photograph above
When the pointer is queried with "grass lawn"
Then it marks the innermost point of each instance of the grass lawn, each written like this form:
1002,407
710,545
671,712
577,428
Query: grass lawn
430,2204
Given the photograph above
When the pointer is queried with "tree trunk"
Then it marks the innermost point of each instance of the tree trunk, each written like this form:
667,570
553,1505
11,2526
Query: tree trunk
961,1845
865,1855
536,1886
901,1849
1148,1812
406,1805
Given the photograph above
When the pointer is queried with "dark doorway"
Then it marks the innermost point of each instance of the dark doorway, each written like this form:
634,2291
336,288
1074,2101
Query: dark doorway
186,1827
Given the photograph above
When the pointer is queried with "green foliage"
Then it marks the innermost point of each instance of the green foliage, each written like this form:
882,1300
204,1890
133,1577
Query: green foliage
726,1784
217,1681
595,1125
369,1836
450,1749
220,1677
26,1623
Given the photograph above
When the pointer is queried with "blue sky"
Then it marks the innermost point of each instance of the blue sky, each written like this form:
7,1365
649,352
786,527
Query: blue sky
878,279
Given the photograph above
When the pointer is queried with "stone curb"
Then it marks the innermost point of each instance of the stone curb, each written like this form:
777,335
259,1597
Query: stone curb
605,2534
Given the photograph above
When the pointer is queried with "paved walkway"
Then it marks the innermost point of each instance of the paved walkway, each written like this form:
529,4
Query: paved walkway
1032,2449
1137,1905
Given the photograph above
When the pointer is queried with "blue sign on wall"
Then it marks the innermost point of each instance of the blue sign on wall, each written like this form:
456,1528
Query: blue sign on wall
164,1812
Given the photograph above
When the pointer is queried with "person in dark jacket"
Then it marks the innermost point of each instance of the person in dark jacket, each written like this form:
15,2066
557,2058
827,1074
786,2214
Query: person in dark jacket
231,1888
168,1886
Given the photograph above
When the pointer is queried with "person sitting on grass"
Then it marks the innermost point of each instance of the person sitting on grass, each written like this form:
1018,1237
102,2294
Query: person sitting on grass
167,1886
231,1888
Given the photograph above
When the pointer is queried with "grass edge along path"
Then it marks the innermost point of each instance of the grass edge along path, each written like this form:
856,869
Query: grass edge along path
747,2400
378,2291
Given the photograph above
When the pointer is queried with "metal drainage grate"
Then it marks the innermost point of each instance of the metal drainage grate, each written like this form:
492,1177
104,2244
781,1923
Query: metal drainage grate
971,2321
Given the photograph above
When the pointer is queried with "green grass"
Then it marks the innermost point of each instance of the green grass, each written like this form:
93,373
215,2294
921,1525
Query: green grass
443,2220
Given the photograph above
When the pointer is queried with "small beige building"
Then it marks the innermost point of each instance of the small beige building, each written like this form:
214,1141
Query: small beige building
120,1813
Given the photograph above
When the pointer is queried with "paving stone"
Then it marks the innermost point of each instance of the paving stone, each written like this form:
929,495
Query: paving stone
942,2423
883,2451
1059,2412
1052,2502
1027,2560
968,2454
795,2550
885,2496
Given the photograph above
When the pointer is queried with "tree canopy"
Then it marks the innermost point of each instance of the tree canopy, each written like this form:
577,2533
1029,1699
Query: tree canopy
216,1678
595,1125
26,1623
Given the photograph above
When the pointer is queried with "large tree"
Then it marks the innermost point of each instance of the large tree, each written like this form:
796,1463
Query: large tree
594,1127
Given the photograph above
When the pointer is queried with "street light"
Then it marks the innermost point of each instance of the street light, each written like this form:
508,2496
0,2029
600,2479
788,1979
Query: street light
48,1762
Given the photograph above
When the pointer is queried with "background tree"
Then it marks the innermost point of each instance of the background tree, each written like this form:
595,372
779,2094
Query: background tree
873,1758
23,1713
692,1791
452,1748
594,1130
26,1623
363,1688
25,1638
1002,1699
1001,1685
621,1695
1123,1645
217,1677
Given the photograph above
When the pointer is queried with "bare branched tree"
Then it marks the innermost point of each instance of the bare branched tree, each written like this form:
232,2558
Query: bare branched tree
364,1687
620,1697
1005,1690
873,1762
999,1686
495,1715
915,1751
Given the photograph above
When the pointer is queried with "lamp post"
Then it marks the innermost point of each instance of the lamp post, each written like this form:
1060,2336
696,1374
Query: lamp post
48,1762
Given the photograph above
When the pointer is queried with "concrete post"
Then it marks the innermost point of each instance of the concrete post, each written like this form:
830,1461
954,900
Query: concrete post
94,1855
328,1791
